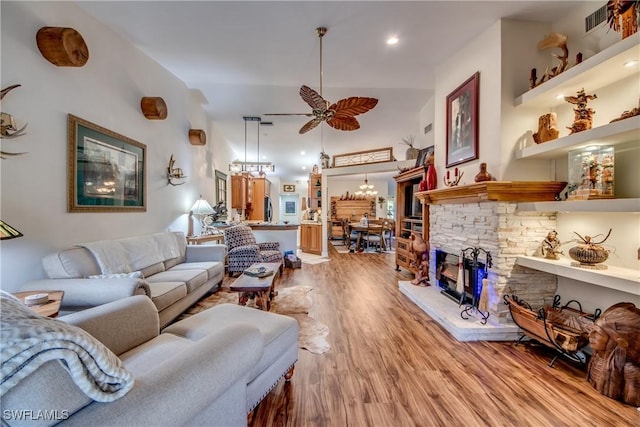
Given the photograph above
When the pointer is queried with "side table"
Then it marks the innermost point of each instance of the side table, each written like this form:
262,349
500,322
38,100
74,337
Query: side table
198,240
48,309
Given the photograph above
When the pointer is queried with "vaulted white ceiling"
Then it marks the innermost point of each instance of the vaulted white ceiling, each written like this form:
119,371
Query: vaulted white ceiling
250,58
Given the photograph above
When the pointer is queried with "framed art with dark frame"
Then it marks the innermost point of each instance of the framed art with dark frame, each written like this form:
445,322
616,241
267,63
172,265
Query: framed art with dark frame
422,155
462,122
105,170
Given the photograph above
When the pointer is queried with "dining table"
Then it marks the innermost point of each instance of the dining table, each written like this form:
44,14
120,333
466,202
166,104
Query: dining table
363,229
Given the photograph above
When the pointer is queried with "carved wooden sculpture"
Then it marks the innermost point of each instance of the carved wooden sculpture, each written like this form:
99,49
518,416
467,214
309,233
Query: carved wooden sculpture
555,40
547,128
583,119
614,368
420,249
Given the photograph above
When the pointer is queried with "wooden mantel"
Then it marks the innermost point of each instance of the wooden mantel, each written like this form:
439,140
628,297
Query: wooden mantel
498,191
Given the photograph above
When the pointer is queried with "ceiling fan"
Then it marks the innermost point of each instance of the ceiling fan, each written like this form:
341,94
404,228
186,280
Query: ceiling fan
340,115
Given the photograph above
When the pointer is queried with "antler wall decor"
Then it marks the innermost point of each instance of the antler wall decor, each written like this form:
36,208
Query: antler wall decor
8,128
174,173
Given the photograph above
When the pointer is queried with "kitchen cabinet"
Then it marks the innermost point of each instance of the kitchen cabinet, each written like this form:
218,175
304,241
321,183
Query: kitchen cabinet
260,199
239,191
311,238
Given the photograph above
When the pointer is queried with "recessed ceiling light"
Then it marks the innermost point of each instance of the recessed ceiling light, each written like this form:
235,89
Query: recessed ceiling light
393,40
631,63
304,168
302,153
560,96
264,157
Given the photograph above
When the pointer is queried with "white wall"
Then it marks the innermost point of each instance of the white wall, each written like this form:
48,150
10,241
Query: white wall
106,91
481,54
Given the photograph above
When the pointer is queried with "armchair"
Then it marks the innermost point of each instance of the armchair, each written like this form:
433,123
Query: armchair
243,250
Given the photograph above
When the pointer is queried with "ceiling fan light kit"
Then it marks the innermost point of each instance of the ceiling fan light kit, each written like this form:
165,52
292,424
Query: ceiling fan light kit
340,115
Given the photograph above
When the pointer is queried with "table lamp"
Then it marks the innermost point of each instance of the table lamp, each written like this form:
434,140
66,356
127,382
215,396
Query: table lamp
201,208
8,232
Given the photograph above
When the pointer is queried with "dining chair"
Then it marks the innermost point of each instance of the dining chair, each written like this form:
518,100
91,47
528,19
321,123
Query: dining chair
348,236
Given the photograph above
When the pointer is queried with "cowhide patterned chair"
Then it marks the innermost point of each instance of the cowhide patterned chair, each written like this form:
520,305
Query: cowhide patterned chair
243,251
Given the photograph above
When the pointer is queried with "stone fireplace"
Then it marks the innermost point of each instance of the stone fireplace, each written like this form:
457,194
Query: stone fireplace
498,228
476,216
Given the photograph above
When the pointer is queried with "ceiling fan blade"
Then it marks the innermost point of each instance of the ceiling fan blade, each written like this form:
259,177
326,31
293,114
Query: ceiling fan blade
353,106
313,98
310,125
288,114
343,123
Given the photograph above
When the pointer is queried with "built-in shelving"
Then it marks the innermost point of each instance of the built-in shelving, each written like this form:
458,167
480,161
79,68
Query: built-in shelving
618,278
593,73
602,205
610,134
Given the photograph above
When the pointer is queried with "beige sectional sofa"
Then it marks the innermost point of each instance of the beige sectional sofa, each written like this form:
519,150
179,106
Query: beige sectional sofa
210,369
162,266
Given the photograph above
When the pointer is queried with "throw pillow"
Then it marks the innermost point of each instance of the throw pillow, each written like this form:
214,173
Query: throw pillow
133,274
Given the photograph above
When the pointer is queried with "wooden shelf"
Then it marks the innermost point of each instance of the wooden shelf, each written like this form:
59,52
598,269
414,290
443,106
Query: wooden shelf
598,71
502,191
618,278
610,134
602,205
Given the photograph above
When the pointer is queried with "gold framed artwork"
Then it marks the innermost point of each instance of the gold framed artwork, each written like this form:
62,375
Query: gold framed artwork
288,188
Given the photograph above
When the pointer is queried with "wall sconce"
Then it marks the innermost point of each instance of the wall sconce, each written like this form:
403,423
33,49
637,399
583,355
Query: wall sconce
174,173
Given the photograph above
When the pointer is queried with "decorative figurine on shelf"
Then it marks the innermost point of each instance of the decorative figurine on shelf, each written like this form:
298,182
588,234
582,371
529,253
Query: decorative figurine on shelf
622,16
614,368
550,41
420,250
483,175
583,116
547,128
628,113
314,170
589,253
432,178
324,160
550,247
457,175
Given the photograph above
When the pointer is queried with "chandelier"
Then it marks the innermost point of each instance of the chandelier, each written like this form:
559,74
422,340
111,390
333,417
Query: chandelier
366,189
238,166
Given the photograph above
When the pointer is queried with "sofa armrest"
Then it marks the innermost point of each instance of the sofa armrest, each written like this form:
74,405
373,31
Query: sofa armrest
84,293
120,325
246,249
269,246
184,384
200,253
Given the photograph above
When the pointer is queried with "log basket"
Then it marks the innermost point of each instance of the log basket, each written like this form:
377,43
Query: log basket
562,328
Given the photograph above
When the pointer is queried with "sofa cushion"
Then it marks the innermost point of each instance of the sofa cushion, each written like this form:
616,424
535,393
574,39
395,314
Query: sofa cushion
152,269
152,353
279,332
192,278
163,294
214,269
72,263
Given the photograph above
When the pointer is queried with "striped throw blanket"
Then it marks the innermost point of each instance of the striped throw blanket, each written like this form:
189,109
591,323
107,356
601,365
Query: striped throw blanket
30,340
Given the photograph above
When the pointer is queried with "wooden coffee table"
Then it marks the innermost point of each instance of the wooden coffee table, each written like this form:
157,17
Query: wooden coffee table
48,309
262,288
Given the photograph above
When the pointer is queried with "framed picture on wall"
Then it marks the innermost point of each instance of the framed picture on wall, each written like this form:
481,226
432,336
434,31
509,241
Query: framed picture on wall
288,188
423,154
290,208
462,122
105,170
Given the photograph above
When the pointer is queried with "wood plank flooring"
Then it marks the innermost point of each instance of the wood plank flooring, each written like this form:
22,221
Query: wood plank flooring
391,365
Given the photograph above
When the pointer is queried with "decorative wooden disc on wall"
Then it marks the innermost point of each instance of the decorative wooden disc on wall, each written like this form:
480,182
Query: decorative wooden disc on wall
63,47
197,137
153,108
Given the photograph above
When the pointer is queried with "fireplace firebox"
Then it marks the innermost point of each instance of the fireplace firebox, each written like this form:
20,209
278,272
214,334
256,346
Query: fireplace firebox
448,269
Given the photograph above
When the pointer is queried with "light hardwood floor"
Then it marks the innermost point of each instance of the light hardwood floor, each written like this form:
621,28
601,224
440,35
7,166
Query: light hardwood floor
391,365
